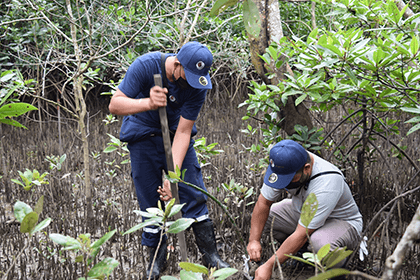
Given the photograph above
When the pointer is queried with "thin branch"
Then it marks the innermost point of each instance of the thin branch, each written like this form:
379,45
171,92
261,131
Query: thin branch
54,103
19,20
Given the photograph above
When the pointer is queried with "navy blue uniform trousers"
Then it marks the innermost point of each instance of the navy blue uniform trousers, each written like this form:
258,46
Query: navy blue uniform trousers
147,162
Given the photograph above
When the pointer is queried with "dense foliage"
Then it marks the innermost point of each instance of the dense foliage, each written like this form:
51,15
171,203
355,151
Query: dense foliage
366,61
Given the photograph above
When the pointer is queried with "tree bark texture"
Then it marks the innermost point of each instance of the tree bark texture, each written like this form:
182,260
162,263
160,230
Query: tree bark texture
81,112
271,31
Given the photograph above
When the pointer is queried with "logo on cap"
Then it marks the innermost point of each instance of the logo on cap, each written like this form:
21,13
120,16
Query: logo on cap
203,81
200,65
272,162
273,178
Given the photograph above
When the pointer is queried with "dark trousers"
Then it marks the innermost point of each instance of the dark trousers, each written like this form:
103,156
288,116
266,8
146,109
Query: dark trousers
147,162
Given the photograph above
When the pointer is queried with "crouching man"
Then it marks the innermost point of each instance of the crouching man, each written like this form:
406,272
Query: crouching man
299,172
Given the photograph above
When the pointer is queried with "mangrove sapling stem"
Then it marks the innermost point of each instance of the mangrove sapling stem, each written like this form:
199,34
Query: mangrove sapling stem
155,255
218,203
274,250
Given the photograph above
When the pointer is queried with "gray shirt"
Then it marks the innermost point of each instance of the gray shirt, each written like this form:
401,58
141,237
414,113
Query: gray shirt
335,200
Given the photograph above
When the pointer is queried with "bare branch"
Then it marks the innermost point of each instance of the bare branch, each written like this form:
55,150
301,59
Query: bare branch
411,235
19,20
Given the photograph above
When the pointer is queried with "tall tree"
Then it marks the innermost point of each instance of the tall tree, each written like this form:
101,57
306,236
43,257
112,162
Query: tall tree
263,24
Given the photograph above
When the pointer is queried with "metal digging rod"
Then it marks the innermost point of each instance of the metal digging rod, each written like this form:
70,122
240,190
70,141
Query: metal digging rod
170,164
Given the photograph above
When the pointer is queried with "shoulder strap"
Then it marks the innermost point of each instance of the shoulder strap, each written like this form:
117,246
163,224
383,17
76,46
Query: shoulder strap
317,175
324,173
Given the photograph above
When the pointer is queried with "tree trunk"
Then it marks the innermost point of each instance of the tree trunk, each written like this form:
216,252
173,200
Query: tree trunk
81,112
271,31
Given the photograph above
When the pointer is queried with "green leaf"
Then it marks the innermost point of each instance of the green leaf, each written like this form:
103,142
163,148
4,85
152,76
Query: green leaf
7,76
39,205
312,36
29,222
173,175
168,278
168,207
103,268
175,209
15,109
413,120
378,55
17,182
414,45
311,257
300,259
180,225
330,274
336,256
194,267
149,222
220,6
110,149
300,99
189,275
11,122
323,251
351,75
252,19
334,49
411,110
413,129
21,209
41,225
393,11
224,273
68,242
8,94
309,208
103,239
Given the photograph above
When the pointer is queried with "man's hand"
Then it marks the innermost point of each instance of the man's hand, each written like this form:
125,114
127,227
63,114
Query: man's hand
165,192
263,272
157,97
254,250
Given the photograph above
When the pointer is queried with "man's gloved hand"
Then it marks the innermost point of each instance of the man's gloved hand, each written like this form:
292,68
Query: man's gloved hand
363,249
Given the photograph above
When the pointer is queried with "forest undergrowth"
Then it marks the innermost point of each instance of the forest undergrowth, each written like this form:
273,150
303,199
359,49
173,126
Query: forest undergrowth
228,176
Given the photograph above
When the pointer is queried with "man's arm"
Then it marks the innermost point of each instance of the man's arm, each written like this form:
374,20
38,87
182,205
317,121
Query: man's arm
123,105
290,246
181,141
258,220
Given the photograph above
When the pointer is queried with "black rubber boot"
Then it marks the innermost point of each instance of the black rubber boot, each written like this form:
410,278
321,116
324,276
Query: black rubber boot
159,265
206,242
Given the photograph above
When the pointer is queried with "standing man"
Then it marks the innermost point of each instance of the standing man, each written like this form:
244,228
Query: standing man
337,220
186,80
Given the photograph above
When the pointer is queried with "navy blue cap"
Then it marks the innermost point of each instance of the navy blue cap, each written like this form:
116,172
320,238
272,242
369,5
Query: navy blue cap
196,60
286,158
